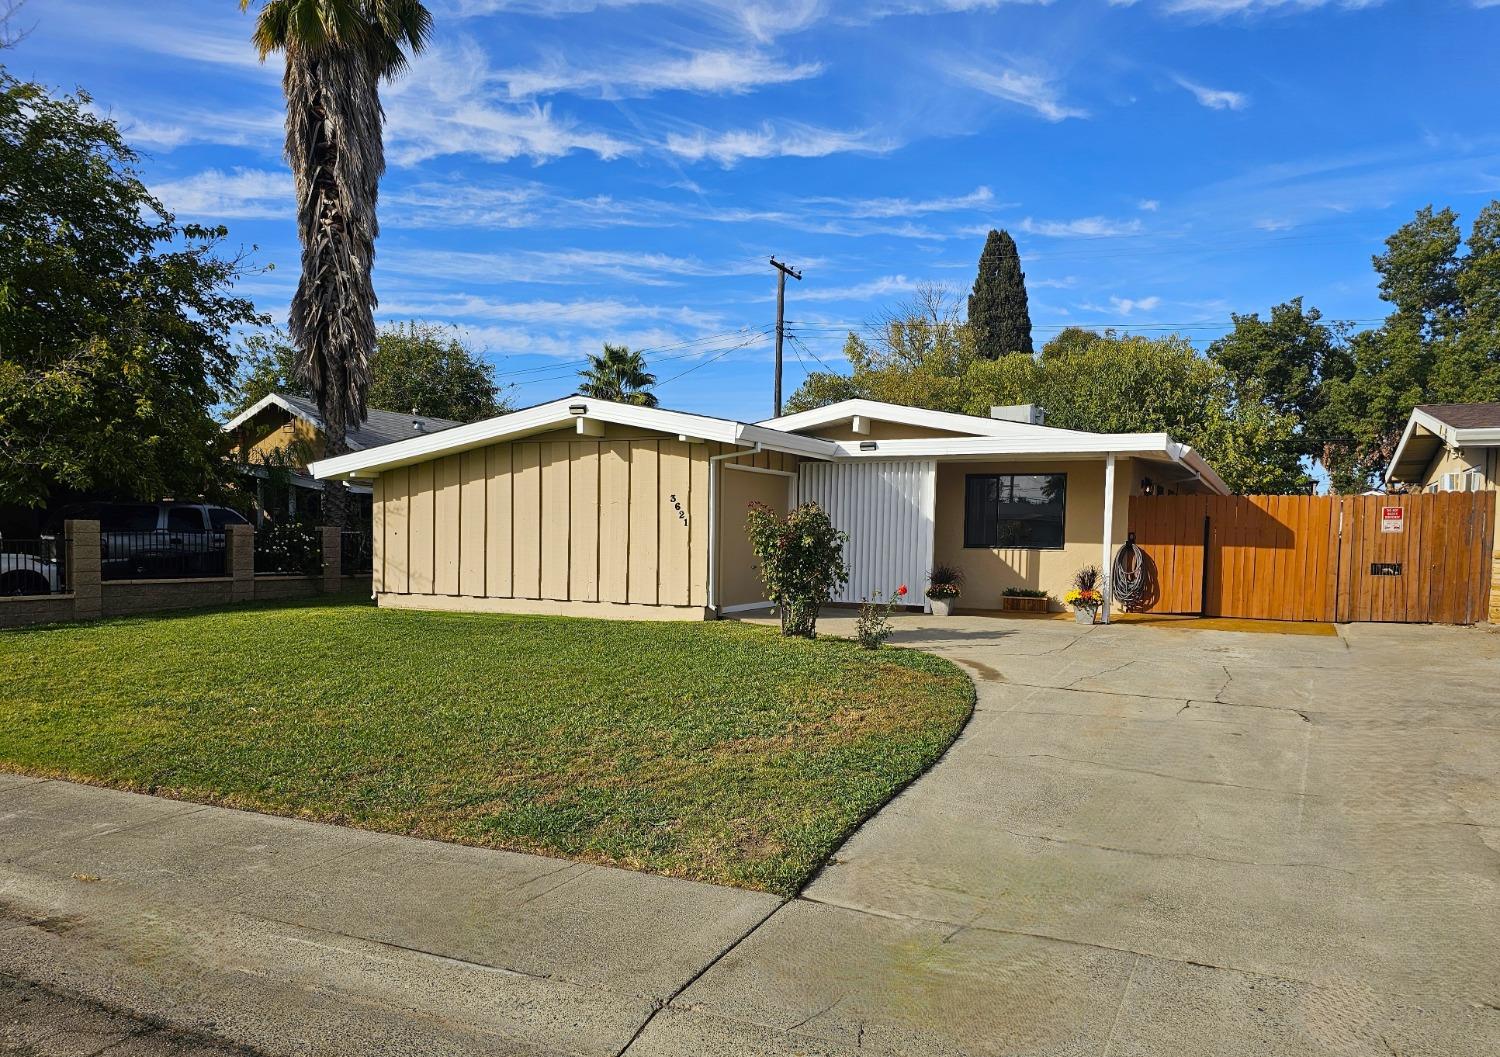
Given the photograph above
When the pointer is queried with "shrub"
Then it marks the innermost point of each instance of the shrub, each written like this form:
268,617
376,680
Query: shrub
945,581
289,547
874,624
801,560
1024,592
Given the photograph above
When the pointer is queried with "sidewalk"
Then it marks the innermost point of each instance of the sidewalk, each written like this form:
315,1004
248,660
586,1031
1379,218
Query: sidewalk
292,937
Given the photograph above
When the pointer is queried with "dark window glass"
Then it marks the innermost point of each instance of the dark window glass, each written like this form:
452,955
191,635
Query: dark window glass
185,519
219,516
1024,510
127,517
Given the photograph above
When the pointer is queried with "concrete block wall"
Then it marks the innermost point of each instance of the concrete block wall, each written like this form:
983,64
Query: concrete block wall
90,596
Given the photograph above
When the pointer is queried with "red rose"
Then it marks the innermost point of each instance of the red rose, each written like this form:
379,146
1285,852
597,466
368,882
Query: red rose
901,591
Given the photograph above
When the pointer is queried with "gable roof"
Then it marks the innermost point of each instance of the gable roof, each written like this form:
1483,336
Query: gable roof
845,410
378,428
1465,416
990,438
1432,427
549,416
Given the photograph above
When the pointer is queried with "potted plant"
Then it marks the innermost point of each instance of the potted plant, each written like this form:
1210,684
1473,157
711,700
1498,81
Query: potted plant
1025,600
944,584
1086,596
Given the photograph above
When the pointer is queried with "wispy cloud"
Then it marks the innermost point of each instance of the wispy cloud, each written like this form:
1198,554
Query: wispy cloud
1033,91
559,267
236,195
1148,205
711,71
1214,98
980,197
762,20
1224,8
445,105
1083,227
1126,305
789,140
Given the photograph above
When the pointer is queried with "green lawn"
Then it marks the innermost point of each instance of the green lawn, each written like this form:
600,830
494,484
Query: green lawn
717,751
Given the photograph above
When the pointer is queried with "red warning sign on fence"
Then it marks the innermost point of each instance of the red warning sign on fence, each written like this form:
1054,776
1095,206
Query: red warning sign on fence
1392,519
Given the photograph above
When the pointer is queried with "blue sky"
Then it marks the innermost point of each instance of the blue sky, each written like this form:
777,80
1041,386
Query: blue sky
566,172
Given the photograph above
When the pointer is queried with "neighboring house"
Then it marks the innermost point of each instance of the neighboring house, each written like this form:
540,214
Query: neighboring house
1449,448
590,507
279,435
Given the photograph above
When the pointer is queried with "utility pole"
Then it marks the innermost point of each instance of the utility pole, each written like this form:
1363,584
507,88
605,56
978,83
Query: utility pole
782,271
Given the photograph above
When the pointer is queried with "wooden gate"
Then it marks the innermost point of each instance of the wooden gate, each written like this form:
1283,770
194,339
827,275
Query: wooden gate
1411,558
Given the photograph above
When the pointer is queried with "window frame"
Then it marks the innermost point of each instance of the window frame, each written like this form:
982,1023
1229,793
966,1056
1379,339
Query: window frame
1060,545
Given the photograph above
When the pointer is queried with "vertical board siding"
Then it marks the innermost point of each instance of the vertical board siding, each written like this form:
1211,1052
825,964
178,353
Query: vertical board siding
645,516
676,521
557,501
377,533
526,521
396,497
447,480
886,508
420,541
614,521
473,519
583,542
1310,557
499,540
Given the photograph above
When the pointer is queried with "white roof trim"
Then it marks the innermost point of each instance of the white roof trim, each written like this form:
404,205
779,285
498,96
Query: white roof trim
271,400
972,425
1057,442
1451,436
556,413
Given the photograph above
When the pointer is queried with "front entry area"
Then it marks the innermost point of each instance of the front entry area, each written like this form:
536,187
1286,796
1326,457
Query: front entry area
1397,558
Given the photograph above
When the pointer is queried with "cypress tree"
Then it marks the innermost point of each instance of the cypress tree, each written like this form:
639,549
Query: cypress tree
997,307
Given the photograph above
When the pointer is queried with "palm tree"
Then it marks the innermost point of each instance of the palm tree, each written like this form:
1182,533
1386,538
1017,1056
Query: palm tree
618,375
336,53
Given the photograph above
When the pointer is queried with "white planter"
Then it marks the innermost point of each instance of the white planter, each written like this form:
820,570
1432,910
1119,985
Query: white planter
942,607
1083,615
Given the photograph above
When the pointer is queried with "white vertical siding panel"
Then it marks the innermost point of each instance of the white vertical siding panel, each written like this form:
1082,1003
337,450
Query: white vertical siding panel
886,508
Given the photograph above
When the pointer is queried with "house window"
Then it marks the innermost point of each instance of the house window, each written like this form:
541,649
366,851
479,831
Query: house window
1024,510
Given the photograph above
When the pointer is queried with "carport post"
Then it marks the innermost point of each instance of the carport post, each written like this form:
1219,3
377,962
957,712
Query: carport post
1109,528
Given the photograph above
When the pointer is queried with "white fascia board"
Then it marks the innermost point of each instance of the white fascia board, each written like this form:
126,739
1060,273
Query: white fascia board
844,410
1433,425
552,415
269,400
1200,468
1476,438
1054,442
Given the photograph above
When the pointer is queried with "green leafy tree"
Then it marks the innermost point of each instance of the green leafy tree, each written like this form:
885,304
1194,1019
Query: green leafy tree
1292,358
115,322
620,375
337,51
1438,344
998,311
801,560
268,364
427,368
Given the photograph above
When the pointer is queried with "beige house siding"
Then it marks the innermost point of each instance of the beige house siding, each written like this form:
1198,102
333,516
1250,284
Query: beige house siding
620,520
739,573
988,571
275,430
1485,460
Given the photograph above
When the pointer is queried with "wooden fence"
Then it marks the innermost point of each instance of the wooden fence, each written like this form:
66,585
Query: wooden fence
1405,558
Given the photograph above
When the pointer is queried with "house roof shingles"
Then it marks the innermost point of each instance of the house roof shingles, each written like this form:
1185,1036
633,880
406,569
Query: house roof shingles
379,427
1465,416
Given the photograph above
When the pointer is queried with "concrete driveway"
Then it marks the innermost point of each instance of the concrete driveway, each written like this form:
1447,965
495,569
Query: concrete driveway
1158,841
1148,841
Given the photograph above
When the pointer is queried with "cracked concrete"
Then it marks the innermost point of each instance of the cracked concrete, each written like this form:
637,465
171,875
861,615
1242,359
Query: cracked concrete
1147,843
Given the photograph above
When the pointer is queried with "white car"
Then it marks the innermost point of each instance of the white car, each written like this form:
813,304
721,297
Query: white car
27,574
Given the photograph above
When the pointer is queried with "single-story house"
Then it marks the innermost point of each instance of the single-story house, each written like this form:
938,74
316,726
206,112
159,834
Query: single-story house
1449,448
589,507
286,430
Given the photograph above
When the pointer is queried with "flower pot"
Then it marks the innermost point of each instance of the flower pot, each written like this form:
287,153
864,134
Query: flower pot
942,607
1024,604
1084,615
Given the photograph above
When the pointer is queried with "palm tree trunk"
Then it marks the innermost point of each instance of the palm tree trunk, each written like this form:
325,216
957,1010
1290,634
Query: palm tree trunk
334,147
